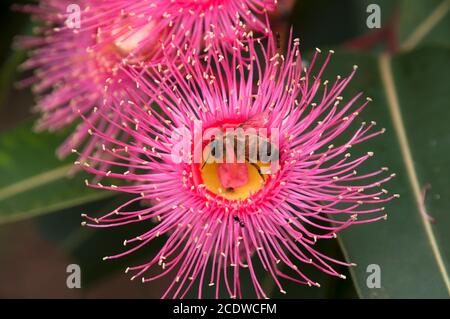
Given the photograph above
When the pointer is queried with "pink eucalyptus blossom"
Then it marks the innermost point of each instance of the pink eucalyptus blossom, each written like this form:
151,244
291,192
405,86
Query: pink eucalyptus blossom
78,68
73,68
223,222
193,19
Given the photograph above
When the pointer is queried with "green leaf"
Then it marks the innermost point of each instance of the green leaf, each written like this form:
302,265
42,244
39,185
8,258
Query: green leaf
410,93
33,181
419,17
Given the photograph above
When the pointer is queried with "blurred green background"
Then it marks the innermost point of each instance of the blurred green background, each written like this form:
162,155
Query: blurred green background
404,67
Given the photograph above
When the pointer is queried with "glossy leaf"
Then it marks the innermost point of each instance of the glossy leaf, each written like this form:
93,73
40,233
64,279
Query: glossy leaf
424,23
33,181
410,93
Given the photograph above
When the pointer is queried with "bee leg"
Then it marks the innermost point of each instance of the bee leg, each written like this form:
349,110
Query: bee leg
259,170
229,190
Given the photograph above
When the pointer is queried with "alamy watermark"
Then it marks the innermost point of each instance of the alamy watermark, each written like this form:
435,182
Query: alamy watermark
374,278
73,280
73,20
373,20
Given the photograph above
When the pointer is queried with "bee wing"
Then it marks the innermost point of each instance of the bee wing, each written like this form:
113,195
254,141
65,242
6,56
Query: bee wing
213,150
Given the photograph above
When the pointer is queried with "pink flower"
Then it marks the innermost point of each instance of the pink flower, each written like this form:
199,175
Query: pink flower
225,220
73,64
76,69
193,19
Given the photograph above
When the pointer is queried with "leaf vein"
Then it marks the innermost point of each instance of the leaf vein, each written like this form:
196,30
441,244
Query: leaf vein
384,63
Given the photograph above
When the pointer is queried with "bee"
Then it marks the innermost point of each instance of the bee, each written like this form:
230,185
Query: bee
240,146
238,220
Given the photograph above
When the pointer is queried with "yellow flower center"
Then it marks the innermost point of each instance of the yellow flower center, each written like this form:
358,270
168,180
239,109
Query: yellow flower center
233,181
